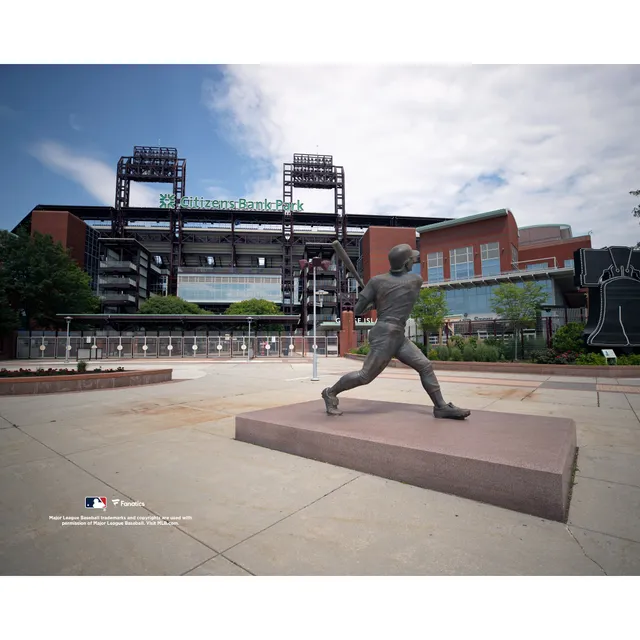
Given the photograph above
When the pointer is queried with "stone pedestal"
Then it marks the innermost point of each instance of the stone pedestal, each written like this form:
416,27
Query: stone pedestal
518,462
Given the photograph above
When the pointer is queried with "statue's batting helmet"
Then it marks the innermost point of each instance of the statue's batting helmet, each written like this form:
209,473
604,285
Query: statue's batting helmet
400,255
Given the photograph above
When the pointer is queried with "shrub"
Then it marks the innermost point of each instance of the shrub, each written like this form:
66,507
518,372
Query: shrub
362,350
468,353
507,350
564,358
443,352
455,354
456,341
596,359
543,356
493,354
569,338
532,345
82,366
433,355
482,352
473,341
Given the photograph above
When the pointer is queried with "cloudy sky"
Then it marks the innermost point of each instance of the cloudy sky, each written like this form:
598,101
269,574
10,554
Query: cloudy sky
555,144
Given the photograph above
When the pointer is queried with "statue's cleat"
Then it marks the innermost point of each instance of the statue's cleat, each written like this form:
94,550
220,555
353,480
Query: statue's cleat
451,411
331,403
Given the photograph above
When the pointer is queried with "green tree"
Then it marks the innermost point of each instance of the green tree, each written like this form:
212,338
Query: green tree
171,305
9,320
430,310
255,307
39,280
518,305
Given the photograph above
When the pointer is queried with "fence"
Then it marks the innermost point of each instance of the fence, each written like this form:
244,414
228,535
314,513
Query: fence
545,327
98,347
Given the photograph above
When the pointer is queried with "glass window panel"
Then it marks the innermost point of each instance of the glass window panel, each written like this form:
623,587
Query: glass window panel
435,259
491,267
490,250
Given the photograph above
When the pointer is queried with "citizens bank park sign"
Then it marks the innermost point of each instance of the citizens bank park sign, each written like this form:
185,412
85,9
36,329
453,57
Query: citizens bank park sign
168,201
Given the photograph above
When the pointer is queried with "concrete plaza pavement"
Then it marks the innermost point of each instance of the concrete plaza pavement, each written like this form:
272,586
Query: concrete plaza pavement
245,510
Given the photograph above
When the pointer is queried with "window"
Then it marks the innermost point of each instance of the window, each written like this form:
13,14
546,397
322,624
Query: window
416,268
476,301
461,263
568,263
538,266
490,255
226,289
514,257
435,267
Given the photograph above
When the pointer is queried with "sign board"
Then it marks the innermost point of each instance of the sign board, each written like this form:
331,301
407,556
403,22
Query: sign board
168,201
609,353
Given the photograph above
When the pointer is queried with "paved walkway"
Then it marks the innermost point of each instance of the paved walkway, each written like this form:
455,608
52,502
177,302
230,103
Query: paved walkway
204,504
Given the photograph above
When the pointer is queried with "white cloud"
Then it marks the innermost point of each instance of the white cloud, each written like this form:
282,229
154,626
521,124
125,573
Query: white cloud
215,189
427,140
74,122
95,176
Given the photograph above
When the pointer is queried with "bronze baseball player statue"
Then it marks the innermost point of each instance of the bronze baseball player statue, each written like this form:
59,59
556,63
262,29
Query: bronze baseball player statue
393,295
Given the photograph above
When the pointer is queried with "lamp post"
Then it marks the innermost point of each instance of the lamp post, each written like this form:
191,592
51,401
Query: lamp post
314,264
249,319
68,345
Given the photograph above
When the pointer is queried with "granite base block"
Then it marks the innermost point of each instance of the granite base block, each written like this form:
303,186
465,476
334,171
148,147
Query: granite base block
519,462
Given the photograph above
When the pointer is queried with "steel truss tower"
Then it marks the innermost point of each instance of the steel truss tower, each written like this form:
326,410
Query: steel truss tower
159,165
312,172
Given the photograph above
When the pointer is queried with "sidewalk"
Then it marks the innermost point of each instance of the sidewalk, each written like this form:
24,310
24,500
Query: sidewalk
247,510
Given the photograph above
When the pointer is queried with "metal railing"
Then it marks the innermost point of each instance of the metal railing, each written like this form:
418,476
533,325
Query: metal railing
515,273
198,346
117,297
117,264
123,282
223,271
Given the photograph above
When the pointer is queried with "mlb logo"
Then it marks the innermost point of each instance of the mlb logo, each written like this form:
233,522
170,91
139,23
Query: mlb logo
94,502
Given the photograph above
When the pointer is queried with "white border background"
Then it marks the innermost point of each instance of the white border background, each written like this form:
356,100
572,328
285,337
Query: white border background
327,31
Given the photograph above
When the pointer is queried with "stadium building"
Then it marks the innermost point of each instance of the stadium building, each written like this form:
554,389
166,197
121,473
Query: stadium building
469,257
215,252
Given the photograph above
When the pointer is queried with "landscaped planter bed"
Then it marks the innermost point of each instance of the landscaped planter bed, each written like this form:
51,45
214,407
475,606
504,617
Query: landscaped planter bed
39,373
588,371
57,383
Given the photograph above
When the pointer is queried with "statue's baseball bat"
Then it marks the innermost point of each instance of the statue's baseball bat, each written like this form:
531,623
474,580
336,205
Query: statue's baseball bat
342,254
